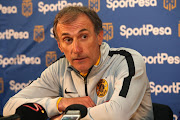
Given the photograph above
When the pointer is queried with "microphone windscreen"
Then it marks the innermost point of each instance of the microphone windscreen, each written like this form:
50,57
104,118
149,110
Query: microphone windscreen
31,111
81,108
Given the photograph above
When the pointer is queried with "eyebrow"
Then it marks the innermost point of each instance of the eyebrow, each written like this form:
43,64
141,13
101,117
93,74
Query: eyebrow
83,30
78,32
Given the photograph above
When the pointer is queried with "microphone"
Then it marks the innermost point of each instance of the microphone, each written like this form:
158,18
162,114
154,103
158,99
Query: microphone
76,109
31,111
28,111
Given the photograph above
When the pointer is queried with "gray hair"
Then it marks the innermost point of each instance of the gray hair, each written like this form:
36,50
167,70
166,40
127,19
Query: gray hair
70,14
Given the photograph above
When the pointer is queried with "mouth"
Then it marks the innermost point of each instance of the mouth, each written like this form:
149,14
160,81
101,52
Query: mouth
79,59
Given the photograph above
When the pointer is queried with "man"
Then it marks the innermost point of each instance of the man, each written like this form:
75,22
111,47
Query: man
111,82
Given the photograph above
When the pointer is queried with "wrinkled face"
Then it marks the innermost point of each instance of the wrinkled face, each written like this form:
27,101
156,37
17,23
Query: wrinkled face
79,42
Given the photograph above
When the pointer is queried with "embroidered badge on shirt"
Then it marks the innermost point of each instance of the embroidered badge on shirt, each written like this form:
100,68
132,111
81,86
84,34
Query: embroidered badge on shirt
102,88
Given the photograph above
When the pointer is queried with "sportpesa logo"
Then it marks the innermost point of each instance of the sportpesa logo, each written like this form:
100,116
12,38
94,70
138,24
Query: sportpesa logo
19,60
18,86
169,4
8,9
156,89
1,85
44,8
51,33
113,4
95,5
162,58
51,57
108,31
12,34
144,30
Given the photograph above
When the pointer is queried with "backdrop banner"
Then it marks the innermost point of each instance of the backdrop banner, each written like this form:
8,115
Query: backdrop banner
152,27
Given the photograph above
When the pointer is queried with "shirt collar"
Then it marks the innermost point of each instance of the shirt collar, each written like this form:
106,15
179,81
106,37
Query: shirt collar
97,63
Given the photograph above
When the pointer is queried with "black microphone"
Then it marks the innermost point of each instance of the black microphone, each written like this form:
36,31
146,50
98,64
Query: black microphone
77,107
31,111
28,111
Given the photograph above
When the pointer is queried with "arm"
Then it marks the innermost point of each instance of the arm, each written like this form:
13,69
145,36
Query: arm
65,102
44,91
125,107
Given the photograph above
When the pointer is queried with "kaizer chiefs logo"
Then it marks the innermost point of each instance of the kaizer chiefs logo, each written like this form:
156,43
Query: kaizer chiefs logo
102,88
1,85
39,33
169,4
27,8
95,5
108,31
51,57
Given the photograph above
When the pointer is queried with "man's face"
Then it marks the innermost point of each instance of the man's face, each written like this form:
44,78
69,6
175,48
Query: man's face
79,42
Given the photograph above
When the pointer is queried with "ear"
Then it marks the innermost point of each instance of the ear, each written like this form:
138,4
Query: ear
59,46
100,37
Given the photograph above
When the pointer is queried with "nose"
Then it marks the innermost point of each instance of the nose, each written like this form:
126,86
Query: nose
76,47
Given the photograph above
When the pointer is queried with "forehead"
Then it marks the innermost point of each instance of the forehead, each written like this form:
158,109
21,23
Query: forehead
72,16
82,21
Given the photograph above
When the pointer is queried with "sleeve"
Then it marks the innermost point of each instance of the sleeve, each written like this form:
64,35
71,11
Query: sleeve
44,91
129,91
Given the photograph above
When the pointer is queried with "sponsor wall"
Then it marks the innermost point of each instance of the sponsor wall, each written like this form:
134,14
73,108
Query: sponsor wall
152,27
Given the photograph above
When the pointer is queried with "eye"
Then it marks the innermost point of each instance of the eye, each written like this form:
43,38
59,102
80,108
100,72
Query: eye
84,36
68,40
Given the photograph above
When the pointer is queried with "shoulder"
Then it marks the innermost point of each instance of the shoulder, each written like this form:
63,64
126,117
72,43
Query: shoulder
125,51
130,60
58,66
128,54
136,57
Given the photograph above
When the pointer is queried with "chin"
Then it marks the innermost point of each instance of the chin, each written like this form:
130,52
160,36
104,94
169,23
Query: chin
83,69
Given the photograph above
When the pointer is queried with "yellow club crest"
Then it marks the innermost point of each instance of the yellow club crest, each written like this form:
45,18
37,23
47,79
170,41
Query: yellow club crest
102,88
